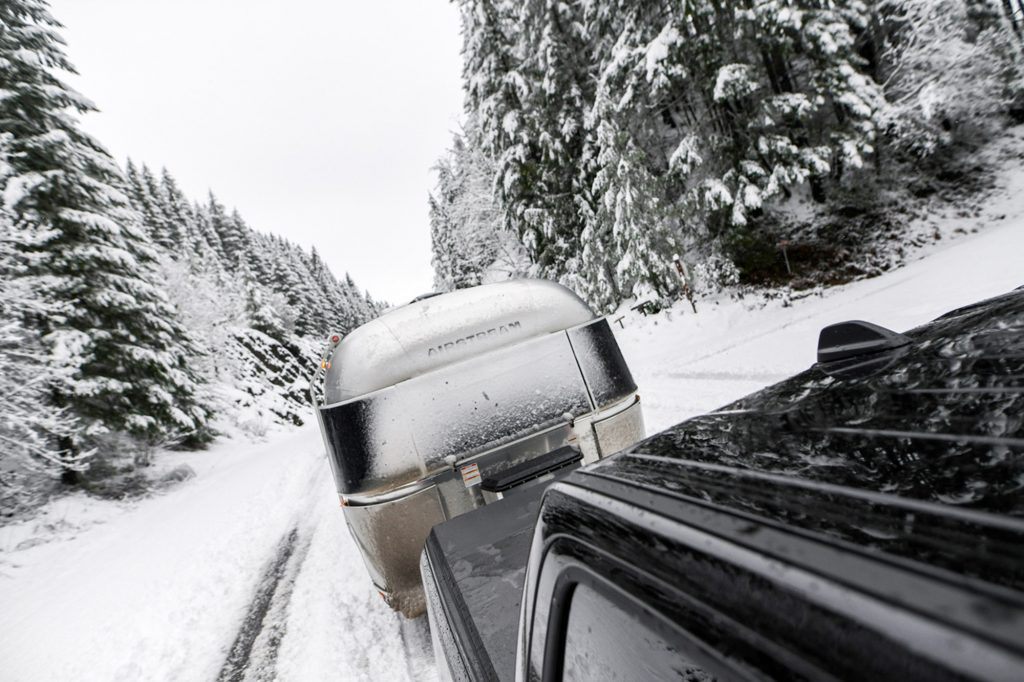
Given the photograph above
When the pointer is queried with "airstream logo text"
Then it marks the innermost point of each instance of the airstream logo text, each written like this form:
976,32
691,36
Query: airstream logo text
500,330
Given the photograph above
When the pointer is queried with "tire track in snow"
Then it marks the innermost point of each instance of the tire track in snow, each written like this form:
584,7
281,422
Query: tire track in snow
253,654
337,625
281,636
416,645
240,654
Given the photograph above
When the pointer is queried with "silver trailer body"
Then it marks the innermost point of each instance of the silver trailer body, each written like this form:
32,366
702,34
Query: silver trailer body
446,404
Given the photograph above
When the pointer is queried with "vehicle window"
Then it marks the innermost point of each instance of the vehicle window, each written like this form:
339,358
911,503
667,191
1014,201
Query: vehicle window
604,641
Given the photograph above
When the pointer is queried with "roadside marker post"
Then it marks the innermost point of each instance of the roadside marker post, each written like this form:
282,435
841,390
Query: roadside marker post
782,245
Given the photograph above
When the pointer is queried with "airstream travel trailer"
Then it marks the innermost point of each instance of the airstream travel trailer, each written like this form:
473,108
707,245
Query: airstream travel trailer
453,401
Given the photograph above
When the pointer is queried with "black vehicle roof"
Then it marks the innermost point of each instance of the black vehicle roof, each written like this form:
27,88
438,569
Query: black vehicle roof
923,458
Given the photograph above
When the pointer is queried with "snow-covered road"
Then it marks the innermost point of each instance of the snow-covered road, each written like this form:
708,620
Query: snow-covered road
248,572
160,590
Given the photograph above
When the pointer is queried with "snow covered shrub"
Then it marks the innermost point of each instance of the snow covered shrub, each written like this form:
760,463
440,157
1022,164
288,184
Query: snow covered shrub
209,304
713,273
178,474
255,424
734,81
251,363
956,68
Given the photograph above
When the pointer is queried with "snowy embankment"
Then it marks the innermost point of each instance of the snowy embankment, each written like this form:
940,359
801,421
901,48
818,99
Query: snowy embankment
691,364
247,571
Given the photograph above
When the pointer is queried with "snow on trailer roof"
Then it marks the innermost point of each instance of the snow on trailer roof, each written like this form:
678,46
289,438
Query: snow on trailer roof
433,332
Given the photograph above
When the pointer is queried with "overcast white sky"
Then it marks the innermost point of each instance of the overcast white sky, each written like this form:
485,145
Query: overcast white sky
318,119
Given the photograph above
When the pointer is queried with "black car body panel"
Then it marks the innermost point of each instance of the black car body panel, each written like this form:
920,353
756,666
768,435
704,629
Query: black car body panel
755,595
862,524
941,424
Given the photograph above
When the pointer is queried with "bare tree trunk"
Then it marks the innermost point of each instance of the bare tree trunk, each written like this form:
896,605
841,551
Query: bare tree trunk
68,476
1011,14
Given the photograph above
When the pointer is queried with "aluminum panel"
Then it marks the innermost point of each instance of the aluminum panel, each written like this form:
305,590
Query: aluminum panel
620,430
403,433
422,336
390,537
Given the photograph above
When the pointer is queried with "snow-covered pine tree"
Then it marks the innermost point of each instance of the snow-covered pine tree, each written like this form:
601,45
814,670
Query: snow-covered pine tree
166,232
30,429
231,238
303,294
364,304
789,102
444,255
136,190
720,108
632,249
179,213
630,235
260,258
209,244
556,179
497,90
331,305
356,310
145,196
592,272
211,218
238,242
120,357
286,280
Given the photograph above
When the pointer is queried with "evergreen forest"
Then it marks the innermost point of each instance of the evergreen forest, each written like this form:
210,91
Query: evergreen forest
602,140
132,317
